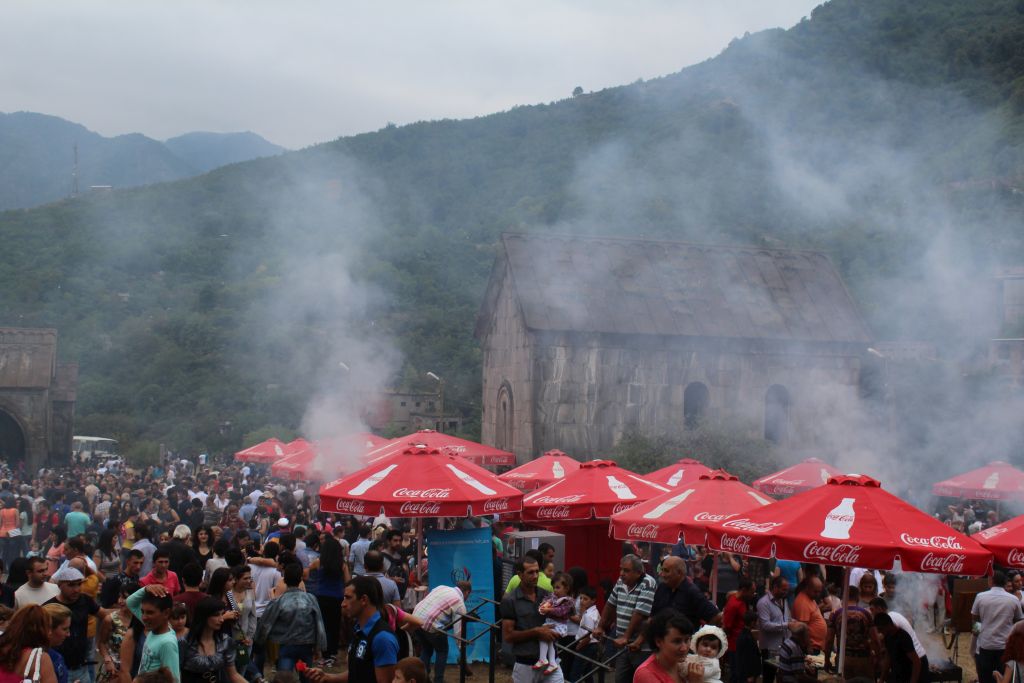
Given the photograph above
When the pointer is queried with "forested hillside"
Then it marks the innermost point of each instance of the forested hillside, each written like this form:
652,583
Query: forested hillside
887,133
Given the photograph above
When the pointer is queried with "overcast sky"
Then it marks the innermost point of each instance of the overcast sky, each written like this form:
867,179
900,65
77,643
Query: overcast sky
305,72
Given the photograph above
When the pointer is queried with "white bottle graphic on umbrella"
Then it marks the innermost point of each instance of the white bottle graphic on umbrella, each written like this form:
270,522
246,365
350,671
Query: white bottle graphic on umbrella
839,520
557,471
622,491
371,481
677,477
991,481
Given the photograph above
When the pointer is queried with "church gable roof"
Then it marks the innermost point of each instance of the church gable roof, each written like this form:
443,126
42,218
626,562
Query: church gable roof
627,286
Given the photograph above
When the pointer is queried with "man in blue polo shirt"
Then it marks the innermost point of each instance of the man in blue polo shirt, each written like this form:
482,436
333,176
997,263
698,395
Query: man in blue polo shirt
373,652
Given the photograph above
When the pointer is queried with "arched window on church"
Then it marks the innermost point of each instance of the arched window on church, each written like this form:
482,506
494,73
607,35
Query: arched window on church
696,398
776,414
505,428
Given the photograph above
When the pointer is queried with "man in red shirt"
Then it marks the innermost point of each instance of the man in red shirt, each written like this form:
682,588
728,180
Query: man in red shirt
162,574
733,614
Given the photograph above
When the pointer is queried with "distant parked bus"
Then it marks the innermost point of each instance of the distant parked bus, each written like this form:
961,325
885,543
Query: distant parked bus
93,448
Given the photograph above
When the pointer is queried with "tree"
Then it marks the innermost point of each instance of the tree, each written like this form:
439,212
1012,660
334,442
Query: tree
577,91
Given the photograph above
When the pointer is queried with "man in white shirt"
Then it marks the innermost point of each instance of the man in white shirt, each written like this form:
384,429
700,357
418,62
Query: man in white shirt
37,590
996,610
264,578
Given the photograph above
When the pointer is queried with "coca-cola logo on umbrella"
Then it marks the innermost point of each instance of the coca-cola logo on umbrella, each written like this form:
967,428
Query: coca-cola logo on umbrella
643,531
554,512
557,500
1015,557
710,517
622,507
744,524
421,493
843,553
496,505
943,564
736,544
355,507
940,542
417,508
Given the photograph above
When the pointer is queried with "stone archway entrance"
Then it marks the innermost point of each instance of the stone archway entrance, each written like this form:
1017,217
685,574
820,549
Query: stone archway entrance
12,440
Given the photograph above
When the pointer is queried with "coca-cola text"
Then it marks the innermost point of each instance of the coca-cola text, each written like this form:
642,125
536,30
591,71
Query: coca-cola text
736,544
943,564
557,500
709,517
1015,557
416,508
554,512
622,507
643,531
843,553
421,493
744,524
496,505
941,542
355,507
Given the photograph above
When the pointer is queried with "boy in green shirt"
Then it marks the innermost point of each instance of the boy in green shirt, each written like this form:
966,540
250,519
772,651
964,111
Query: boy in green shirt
152,606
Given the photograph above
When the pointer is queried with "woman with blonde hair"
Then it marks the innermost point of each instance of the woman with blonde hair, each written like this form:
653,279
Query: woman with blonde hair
23,647
60,628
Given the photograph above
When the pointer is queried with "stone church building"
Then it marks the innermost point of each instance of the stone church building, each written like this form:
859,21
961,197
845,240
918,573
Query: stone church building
37,399
586,338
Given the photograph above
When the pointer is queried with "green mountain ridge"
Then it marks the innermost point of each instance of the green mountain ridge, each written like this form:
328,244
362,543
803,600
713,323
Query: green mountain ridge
886,133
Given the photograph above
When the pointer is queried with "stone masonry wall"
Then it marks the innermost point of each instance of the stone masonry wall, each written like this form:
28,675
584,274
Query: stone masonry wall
507,351
591,389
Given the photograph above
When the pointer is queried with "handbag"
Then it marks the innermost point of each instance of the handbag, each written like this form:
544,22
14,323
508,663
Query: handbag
36,657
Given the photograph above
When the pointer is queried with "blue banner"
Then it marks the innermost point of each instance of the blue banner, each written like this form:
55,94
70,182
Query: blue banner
465,555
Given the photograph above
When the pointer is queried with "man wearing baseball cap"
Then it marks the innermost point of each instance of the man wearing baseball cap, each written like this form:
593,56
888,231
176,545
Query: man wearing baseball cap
76,647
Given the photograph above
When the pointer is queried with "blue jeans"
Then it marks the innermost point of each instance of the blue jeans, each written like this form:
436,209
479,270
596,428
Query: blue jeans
434,643
288,655
80,674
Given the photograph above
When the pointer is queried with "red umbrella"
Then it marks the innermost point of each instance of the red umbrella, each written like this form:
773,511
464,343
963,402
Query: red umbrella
688,510
270,450
851,522
802,476
428,438
597,490
680,473
995,481
325,459
1005,541
548,468
420,482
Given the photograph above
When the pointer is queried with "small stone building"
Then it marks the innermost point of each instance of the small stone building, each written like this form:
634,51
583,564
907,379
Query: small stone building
37,399
585,338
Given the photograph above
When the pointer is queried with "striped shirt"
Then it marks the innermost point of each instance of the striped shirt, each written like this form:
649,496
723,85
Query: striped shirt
439,608
791,662
625,601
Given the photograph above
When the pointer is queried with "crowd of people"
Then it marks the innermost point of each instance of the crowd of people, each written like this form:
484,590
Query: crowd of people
219,574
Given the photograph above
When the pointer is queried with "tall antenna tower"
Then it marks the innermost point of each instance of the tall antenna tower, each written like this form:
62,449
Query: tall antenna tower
74,174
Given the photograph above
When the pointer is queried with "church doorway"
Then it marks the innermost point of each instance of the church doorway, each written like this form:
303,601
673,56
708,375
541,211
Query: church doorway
12,440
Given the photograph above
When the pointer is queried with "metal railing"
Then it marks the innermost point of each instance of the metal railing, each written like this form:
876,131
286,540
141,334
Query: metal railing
493,630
